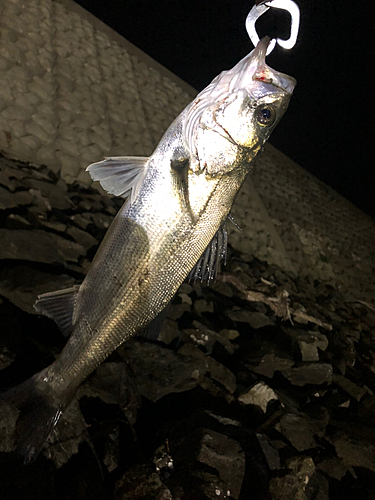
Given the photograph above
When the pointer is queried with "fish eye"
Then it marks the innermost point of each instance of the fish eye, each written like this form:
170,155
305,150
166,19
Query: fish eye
265,115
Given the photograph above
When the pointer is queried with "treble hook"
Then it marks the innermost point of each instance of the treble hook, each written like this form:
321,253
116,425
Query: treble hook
262,7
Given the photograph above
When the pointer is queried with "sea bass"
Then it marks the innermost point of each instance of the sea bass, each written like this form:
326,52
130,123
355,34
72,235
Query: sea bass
177,202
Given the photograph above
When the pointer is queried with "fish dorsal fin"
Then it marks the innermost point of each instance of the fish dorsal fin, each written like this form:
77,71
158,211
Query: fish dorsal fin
208,265
120,175
59,306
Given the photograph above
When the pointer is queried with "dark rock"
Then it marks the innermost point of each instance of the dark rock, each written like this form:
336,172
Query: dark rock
56,226
22,285
354,452
334,467
254,319
159,371
309,342
13,200
6,357
301,430
202,306
293,484
142,483
8,419
267,364
114,383
204,337
55,194
82,237
38,246
208,465
82,220
270,451
350,387
309,373
15,221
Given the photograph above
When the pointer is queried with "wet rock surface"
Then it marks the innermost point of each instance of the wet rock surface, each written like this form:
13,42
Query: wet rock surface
260,385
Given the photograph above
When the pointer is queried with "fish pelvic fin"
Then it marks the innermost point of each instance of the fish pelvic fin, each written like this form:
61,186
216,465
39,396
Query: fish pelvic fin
120,175
36,416
59,306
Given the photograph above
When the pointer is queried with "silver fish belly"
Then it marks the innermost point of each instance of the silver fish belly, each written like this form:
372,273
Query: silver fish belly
177,201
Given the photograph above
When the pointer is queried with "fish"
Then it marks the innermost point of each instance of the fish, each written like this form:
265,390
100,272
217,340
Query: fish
169,227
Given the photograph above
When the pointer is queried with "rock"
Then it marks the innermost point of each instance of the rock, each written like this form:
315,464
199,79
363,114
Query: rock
141,482
208,366
269,363
56,226
185,299
38,246
202,306
301,430
309,342
6,199
8,419
22,285
259,395
83,238
230,334
309,373
208,465
350,387
169,331
114,383
204,337
15,221
254,319
334,467
159,371
293,485
270,451
55,195
82,220
354,452
222,288
6,357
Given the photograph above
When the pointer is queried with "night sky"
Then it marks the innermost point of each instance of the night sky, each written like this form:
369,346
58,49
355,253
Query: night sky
328,128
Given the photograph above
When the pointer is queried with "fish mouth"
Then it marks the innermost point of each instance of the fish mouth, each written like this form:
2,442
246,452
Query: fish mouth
254,75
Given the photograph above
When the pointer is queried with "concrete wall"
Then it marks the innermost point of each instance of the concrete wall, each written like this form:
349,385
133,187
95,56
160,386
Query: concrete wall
72,91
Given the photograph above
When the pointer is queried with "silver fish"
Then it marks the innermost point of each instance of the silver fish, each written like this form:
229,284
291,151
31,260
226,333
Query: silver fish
178,200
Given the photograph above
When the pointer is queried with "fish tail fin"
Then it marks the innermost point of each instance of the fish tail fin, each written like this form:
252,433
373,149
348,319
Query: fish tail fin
37,415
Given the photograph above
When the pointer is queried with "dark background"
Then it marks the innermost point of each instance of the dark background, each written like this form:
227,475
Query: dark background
328,128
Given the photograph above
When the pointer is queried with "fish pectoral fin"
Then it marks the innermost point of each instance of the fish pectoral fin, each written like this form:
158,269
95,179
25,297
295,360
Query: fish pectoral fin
59,306
208,265
153,329
120,175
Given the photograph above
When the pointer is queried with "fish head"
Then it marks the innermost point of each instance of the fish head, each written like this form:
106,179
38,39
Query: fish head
237,112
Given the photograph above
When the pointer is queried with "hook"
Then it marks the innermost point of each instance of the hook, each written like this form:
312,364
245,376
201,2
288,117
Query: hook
262,7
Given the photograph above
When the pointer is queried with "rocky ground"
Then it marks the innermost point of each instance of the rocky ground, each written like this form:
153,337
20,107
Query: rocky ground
260,386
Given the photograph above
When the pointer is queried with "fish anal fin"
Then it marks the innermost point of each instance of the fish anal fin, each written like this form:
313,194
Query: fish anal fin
153,329
120,175
59,306
208,265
